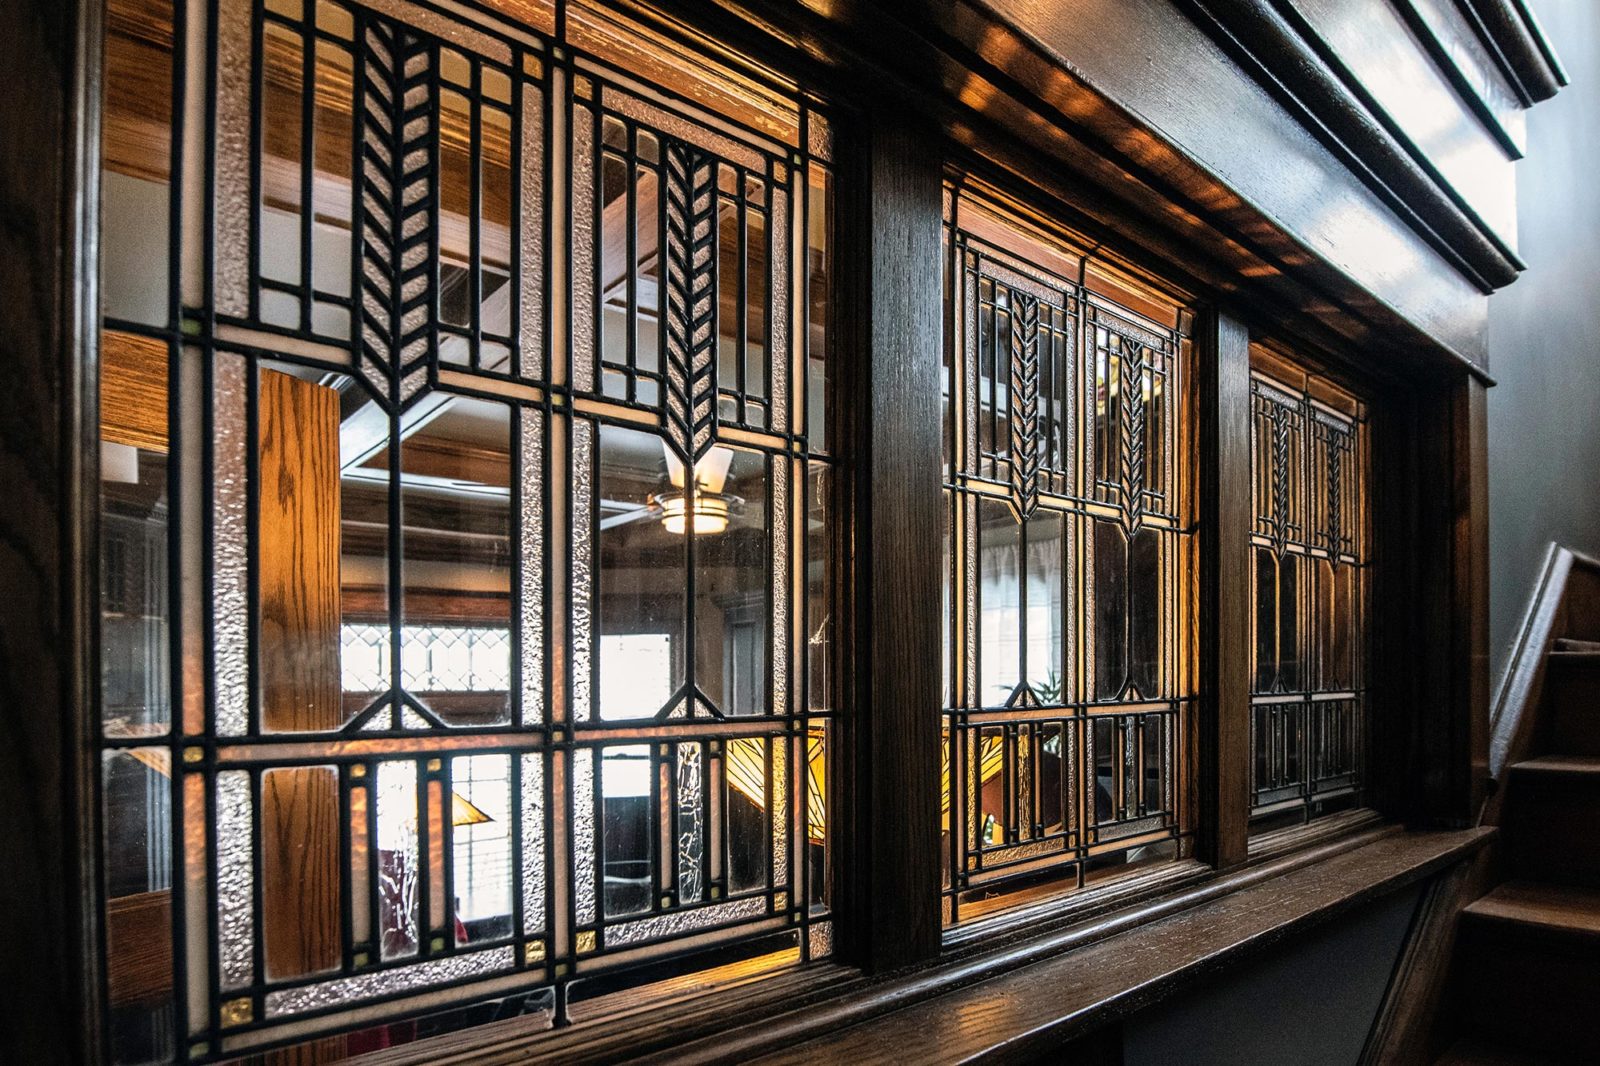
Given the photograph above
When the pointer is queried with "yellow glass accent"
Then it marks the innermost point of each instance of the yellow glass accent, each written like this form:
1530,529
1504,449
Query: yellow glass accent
585,941
237,1011
534,951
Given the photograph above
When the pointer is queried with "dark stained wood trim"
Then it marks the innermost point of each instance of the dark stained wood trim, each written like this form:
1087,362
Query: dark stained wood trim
1444,662
892,917
1438,24
1405,1029
52,984
778,1014
1223,351
1514,37
1007,98
1285,54
1034,1009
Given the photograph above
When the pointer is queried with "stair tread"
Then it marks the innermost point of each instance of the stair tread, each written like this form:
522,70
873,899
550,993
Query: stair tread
1561,764
1477,1053
1575,644
1566,909
1575,656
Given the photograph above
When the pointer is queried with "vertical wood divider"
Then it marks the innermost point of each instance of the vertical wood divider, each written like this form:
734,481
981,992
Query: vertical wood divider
892,411
1224,509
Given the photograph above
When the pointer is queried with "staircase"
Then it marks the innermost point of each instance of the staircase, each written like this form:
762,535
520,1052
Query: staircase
1526,971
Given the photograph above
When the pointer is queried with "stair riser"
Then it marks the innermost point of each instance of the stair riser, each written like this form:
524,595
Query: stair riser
1553,828
1528,991
1572,699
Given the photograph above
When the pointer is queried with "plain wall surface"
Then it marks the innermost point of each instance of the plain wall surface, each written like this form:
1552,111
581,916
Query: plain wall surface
1306,1003
1544,338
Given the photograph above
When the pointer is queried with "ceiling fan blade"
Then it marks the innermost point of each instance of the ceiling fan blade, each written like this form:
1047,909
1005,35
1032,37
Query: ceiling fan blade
622,519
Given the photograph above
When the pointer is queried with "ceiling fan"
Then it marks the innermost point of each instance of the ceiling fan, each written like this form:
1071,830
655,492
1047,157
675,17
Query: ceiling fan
708,509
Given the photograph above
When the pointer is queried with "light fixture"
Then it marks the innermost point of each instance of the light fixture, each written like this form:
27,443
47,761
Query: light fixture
710,512
707,509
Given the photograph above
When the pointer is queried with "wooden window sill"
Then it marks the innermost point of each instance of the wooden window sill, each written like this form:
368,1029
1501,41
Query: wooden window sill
1022,997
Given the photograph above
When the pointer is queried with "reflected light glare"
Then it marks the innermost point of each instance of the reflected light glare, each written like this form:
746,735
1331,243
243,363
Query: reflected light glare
710,512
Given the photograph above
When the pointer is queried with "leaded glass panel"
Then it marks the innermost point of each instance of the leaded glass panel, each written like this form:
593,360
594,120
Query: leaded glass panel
1309,577
1069,601
468,593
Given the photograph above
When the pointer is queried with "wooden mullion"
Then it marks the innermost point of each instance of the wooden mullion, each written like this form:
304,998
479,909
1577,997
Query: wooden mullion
891,912
53,993
1225,420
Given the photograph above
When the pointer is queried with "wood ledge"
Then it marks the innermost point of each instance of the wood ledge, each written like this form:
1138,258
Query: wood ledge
1024,998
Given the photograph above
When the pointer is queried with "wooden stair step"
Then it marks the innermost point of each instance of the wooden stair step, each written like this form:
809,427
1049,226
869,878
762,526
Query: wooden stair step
1563,911
1575,644
1551,814
1528,968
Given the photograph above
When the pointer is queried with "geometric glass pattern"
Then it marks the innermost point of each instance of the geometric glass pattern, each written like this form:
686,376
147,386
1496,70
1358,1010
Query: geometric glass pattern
469,518
1069,565
1309,581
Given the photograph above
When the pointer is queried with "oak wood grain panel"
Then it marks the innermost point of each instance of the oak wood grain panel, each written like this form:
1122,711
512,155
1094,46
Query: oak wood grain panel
133,390
1225,523
139,948
894,908
51,969
298,561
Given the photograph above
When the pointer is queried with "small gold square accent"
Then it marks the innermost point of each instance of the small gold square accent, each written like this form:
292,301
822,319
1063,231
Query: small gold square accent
716,891
358,771
193,755
198,1051
664,749
436,944
191,327
583,87
237,1011
666,901
534,951
780,901
585,941
361,958
561,969
434,765
533,66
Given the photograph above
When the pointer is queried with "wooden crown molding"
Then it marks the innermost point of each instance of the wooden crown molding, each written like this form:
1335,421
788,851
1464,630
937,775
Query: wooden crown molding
1520,47
1287,56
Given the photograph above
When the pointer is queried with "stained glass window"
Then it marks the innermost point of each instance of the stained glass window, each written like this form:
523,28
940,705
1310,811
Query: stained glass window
467,505
1069,563
1308,551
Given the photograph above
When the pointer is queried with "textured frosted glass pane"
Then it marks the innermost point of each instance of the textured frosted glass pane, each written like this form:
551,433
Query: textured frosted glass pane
780,266
533,838
388,982
782,622
531,343
679,923
534,575
582,568
235,906
780,810
819,940
232,157
584,307
229,508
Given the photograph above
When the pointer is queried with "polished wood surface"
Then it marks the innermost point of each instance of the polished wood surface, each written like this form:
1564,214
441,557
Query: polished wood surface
298,562
133,391
894,821
52,980
1225,522
1034,1009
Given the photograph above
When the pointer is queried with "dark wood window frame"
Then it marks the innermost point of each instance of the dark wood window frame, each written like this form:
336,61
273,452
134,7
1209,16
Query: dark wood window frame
1429,696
